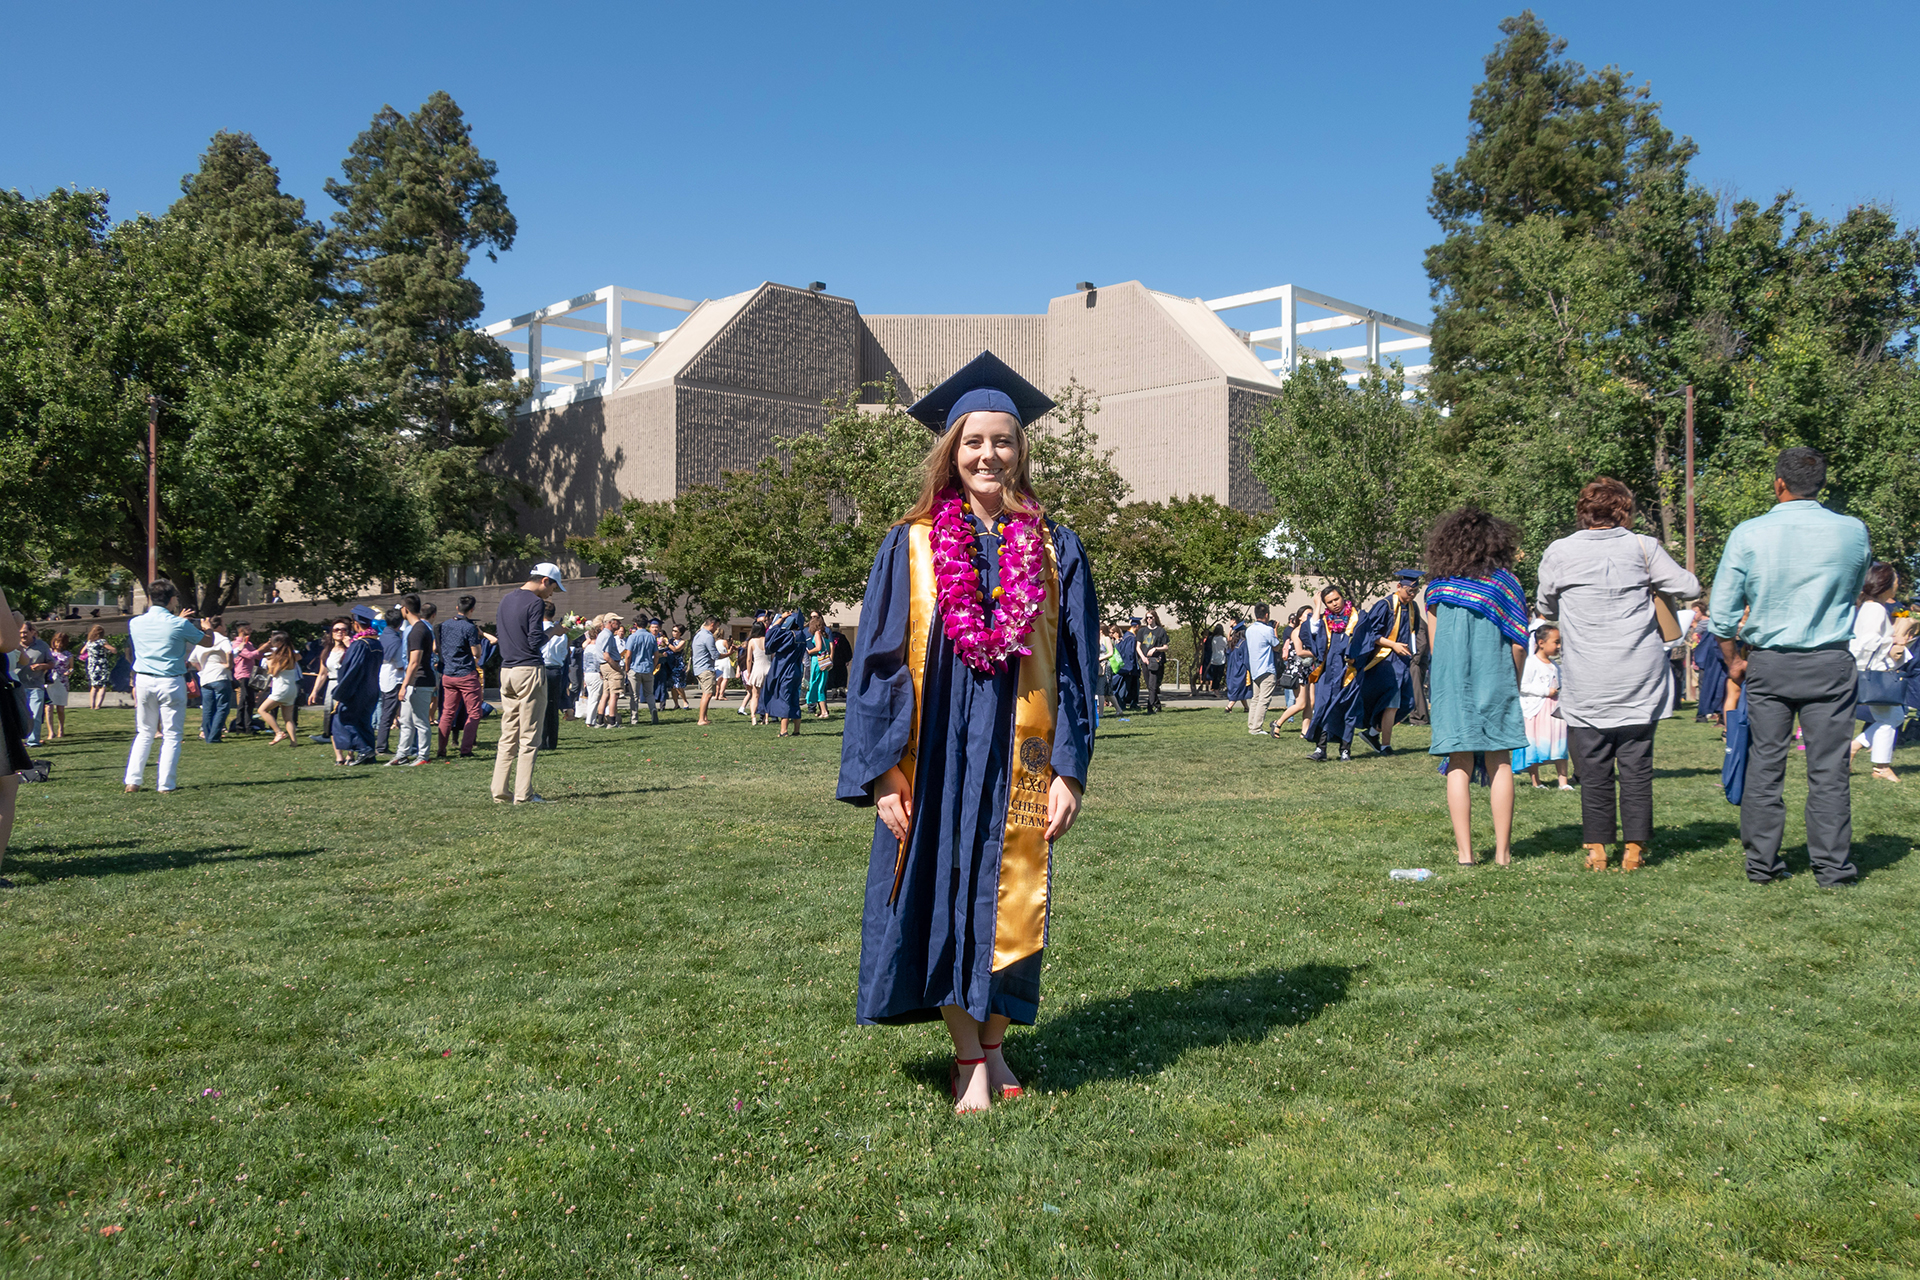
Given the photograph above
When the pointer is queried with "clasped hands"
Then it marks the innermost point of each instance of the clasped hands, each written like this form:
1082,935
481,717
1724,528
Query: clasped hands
893,798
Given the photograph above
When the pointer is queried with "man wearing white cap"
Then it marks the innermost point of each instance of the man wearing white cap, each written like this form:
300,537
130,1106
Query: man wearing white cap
521,627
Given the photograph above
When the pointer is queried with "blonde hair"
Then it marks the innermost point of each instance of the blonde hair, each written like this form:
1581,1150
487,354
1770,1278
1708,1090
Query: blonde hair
941,472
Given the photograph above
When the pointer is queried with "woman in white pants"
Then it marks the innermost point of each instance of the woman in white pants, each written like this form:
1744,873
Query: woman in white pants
1873,648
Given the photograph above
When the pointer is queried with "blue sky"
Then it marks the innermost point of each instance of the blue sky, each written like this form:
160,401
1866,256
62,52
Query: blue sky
916,157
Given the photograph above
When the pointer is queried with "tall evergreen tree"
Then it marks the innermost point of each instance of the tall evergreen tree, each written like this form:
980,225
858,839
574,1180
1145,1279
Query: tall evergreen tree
417,200
1574,310
271,460
1545,139
235,195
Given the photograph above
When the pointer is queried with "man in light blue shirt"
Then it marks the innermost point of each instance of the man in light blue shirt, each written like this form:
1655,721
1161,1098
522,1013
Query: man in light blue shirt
642,646
1787,586
1260,643
706,665
161,643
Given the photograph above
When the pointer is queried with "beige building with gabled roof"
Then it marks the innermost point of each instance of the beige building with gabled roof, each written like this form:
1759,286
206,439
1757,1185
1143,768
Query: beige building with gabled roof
645,414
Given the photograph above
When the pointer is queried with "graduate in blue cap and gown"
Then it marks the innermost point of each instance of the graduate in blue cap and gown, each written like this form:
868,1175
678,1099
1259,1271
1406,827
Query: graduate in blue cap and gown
969,727
1336,694
1381,642
787,641
356,697
1239,675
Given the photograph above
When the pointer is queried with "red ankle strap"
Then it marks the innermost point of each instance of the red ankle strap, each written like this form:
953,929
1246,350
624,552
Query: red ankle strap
968,1062
989,1046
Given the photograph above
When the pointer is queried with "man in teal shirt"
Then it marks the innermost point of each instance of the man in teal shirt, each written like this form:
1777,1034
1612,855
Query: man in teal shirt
161,643
1787,586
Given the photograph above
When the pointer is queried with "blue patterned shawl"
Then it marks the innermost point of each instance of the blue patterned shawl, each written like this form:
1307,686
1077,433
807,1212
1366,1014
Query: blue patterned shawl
1497,599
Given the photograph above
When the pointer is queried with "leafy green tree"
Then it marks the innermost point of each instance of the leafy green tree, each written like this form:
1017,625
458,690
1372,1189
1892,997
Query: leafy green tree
1079,486
753,540
1570,322
416,201
271,462
1355,474
1546,139
1201,559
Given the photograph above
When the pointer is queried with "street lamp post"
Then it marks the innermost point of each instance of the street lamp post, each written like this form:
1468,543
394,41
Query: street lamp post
153,488
1690,477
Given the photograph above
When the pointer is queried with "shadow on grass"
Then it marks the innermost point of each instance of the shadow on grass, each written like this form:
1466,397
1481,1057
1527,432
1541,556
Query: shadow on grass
340,774
1878,852
95,864
608,795
1669,842
1146,1031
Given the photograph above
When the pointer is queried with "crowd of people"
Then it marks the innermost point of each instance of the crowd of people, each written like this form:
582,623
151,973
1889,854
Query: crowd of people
1799,638
1597,660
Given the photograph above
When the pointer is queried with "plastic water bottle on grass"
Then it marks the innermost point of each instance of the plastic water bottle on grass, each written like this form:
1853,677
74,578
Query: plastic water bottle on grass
1416,873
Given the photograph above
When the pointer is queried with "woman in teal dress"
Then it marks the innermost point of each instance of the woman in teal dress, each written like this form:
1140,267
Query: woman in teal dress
819,661
1479,643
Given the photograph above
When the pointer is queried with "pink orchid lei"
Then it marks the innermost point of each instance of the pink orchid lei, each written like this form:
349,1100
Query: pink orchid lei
1022,589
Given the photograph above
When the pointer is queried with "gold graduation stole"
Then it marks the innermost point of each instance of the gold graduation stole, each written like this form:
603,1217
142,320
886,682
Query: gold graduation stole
1020,920
1393,633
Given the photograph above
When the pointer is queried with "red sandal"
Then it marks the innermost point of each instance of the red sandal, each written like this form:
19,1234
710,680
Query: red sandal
953,1076
1006,1091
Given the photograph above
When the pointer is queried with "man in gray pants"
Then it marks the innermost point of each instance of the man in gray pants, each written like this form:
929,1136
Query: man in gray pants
1793,574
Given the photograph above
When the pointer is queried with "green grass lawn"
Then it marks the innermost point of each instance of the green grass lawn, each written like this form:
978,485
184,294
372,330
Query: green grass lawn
297,1020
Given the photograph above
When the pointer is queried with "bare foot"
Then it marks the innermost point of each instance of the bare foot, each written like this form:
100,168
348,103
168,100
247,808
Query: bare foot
1503,859
1885,774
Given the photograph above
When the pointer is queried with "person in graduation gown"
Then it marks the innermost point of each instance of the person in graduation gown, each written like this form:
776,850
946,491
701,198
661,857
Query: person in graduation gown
1239,673
969,728
1381,642
787,647
1711,701
356,698
1336,694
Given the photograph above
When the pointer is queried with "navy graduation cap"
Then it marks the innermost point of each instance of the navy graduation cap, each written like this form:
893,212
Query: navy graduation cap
985,385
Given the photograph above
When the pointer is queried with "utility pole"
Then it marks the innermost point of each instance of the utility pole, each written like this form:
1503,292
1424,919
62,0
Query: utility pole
153,488
1690,477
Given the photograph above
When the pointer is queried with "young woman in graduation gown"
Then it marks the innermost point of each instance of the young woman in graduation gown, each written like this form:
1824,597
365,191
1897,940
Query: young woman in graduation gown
1336,694
356,697
787,647
969,727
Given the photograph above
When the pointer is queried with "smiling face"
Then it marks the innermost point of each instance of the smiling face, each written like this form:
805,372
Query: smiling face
988,458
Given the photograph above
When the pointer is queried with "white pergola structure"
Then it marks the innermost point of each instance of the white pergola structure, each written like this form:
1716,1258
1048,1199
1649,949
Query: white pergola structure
565,374
1279,346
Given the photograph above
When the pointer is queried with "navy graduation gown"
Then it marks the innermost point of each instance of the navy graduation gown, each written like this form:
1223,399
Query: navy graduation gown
787,647
356,697
1238,685
1336,707
1390,682
933,945
1713,678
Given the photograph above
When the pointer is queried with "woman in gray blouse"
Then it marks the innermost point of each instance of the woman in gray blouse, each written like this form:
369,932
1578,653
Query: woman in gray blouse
1615,679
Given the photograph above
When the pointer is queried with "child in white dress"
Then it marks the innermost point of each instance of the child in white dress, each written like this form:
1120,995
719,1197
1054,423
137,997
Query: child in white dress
1540,708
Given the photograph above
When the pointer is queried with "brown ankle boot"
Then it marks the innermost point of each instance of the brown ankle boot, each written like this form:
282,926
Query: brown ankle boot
1596,857
1636,857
